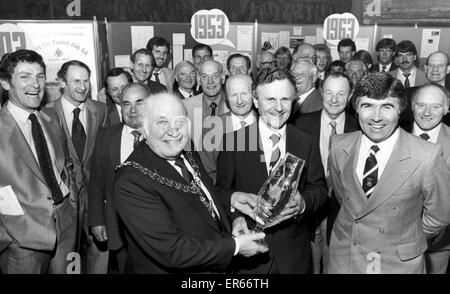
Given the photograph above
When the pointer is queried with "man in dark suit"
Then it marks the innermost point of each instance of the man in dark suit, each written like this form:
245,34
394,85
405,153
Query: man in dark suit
309,99
38,195
392,187
115,81
246,162
82,118
173,219
324,125
429,105
385,52
142,65
113,145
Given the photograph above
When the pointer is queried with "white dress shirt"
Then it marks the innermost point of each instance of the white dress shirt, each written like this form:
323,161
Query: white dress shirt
411,78
433,133
303,96
382,155
68,114
251,118
267,143
325,131
185,93
21,117
127,143
119,110
388,67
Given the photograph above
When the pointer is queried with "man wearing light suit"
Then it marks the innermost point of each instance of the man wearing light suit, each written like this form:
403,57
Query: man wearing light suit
429,105
113,145
38,231
392,187
82,118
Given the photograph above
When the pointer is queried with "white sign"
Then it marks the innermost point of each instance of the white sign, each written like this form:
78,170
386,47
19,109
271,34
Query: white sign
340,26
211,27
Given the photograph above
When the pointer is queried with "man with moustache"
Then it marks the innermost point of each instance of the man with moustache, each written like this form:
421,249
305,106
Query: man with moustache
392,187
160,49
38,195
247,159
115,81
429,105
142,65
174,221
113,146
82,118
407,72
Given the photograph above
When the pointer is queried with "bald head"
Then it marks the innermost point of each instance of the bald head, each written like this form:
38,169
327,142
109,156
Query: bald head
211,78
437,67
304,51
131,100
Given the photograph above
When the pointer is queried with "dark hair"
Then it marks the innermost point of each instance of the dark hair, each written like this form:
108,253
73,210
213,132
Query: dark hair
364,56
335,63
9,61
158,42
322,47
282,51
386,43
431,85
144,51
239,55
338,74
201,46
62,72
346,43
379,86
406,46
115,72
268,76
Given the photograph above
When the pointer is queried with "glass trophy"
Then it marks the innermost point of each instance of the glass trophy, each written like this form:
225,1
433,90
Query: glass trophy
278,189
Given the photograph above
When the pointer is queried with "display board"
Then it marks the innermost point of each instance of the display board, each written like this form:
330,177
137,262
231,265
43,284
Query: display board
56,41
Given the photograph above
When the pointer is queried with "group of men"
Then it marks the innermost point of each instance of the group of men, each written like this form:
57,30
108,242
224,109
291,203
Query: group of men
164,176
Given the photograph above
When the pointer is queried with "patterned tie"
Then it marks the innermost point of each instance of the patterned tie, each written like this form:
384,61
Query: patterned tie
370,176
275,152
188,177
243,124
332,134
136,135
425,136
78,134
213,106
156,74
384,68
407,85
44,159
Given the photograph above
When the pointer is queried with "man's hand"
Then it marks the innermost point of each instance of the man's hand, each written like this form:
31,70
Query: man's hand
293,208
240,227
247,245
99,233
244,202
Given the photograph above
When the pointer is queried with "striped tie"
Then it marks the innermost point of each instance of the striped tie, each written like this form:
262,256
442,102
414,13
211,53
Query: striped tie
370,176
276,151
332,135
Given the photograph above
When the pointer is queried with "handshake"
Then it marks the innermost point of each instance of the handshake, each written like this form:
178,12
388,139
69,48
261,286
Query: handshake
246,203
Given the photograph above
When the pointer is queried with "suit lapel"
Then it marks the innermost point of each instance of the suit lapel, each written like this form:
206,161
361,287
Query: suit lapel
116,140
60,111
54,137
91,126
399,168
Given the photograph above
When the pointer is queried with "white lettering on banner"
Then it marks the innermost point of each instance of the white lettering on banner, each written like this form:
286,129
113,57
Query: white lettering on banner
12,38
340,26
74,8
211,27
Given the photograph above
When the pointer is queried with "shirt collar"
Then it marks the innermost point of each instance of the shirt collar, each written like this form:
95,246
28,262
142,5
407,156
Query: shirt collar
69,107
385,146
266,132
185,93
249,119
433,133
304,95
412,72
18,113
339,120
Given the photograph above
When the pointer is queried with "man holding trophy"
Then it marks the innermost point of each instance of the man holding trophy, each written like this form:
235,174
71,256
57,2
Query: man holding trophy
249,157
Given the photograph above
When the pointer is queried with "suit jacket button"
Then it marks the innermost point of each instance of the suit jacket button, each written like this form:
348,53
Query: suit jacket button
381,231
355,243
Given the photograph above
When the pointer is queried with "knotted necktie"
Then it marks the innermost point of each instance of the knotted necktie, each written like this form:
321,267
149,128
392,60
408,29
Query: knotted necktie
384,68
275,152
44,159
213,106
156,74
370,176
425,136
78,134
407,85
136,135
243,124
332,134
188,177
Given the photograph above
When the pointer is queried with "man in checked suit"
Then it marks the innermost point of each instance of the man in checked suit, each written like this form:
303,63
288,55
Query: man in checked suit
38,232
392,187
173,219
324,125
82,118
113,145
429,105
246,162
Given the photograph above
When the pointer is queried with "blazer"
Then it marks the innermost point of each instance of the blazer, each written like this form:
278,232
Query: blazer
242,169
36,229
168,230
177,92
112,114
421,78
105,158
155,87
409,205
312,122
165,77
313,102
376,67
